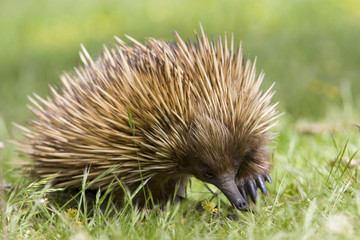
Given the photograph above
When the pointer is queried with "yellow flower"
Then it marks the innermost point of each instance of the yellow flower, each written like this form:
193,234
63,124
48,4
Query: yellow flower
210,207
171,226
72,215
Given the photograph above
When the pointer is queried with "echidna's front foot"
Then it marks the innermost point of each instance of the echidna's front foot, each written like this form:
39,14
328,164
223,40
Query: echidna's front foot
249,186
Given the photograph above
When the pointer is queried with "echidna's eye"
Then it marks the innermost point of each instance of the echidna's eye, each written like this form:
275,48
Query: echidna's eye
208,173
237,171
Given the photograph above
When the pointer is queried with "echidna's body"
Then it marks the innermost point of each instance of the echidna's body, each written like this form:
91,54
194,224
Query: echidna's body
157,114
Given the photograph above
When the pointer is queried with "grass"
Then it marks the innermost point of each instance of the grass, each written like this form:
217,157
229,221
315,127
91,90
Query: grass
312,189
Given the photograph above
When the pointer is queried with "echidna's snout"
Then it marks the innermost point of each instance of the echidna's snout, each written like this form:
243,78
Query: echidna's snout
228,187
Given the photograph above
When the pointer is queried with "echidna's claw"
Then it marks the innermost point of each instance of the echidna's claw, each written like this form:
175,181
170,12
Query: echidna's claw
251,190
268,178
260,182
244,194
251,184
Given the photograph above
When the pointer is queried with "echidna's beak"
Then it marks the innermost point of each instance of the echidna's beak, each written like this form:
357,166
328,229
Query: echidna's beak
231,191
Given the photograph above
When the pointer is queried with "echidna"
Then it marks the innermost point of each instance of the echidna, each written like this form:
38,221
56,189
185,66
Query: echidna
157,114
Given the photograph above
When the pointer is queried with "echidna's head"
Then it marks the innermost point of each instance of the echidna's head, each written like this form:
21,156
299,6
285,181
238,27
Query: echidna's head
226,156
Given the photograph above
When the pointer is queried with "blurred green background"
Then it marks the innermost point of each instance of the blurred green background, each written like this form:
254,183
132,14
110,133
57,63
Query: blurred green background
311,49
